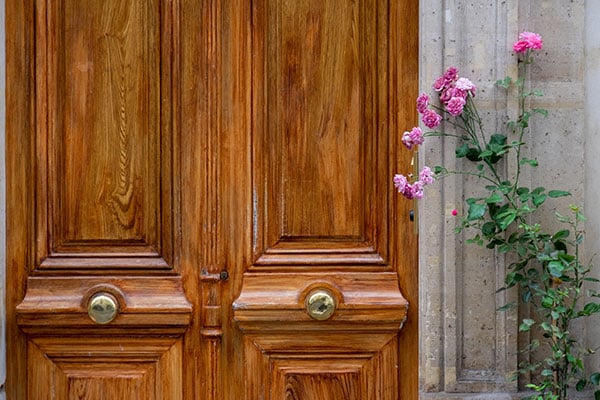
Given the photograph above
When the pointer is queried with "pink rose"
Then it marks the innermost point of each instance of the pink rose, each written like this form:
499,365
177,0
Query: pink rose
422,103
426,176
416,191
445,80
439,84
465,85
446,95
451,74
412,138
400,182
431,119
528,40
455,106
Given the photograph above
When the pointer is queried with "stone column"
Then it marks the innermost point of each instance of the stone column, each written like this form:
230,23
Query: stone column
466,346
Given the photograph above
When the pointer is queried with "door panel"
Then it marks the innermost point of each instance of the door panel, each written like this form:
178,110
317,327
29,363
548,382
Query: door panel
105,138
221,170
319,143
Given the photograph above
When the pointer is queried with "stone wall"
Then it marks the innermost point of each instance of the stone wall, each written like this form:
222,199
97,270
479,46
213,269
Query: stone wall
468,349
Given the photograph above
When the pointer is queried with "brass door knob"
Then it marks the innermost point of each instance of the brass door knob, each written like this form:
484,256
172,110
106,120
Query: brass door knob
103,308
320,304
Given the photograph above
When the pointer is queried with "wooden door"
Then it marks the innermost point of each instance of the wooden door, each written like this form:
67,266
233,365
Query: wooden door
211,168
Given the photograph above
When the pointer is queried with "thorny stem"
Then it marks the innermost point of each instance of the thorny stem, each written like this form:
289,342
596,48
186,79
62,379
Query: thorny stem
520,122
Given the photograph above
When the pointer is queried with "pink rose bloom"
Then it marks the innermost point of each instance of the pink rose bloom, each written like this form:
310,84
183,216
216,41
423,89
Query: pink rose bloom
451,74
528,40
407,141
465,85
412,138
400,182
456,92
445,80
455,106
439,84
431,119
416,191
446,95
520,47
422,103
454,212
426,176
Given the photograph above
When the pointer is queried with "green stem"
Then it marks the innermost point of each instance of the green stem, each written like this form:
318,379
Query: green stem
523,63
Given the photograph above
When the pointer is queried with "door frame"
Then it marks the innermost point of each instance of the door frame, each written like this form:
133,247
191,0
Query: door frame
2,199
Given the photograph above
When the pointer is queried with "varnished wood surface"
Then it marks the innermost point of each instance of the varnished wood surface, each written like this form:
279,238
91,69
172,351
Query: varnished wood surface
153,145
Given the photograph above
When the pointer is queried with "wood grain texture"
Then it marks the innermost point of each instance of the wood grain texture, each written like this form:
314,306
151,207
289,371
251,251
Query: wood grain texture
320,125
152,145
122,369
104,139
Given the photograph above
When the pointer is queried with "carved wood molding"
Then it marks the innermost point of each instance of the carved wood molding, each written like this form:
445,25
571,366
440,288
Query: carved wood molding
276,302
58,305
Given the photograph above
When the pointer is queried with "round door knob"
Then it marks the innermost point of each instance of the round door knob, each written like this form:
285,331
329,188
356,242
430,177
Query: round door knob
103,308
320,304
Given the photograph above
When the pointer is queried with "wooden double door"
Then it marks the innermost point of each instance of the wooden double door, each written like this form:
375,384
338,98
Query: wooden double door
200,202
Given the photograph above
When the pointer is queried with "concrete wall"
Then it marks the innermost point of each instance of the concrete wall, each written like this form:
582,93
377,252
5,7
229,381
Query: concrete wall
592,161
468,349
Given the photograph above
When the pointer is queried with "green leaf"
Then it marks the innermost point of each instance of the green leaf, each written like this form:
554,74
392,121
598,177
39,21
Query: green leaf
506,307
476,211
486,153
595,379
591,308
462,151
538,190
533,163
521,250
506,218
597,395
538,200
498,139
547,302
556,268
465,151
560,235
558,193
526,325
581,384
547,372
494,198
488,229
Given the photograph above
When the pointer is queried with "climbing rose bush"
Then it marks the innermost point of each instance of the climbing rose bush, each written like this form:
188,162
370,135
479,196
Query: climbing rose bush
548,270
